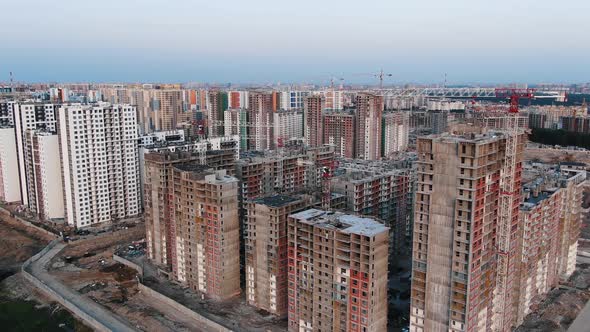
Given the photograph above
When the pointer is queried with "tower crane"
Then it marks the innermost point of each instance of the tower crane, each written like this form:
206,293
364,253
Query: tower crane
514,95
332,79
380,76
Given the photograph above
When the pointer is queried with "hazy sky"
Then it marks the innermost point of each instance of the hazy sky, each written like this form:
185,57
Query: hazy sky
300,40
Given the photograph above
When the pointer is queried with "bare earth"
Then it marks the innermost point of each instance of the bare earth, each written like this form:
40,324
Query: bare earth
17,244
90,270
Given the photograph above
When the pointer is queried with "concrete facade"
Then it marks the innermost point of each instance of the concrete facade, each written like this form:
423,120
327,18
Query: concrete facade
265,236
45,190
457,211
339,132
10,187
31,116
287,126
314,106
192,226
337,272
369,114
396,131
380,193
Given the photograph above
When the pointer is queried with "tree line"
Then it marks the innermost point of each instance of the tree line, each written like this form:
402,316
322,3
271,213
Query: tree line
560,137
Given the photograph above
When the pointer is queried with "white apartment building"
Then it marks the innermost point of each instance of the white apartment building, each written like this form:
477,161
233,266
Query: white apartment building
31,116
98,146
162,137
396,131
287,125
9,184
235,123
45,191
293,99
6,113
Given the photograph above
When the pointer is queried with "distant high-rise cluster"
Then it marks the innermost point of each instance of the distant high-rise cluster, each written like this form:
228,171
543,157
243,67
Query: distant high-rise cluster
300,200
355,125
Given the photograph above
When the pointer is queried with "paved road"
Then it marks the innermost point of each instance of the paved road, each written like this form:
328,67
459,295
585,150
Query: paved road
93,309
582,322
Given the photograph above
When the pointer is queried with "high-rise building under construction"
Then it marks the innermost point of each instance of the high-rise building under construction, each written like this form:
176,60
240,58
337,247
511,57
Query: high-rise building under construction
192,224
265,236
337,272
467,190
484,251
369,114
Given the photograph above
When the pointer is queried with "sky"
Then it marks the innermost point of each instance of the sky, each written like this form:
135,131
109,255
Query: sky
264,41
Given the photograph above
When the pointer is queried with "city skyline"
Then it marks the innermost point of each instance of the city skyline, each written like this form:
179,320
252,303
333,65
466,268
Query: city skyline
302,166
500,42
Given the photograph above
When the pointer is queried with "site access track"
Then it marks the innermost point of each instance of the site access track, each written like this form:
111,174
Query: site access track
38,270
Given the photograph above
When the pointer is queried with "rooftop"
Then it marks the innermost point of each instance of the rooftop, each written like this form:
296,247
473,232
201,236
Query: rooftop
192,167
276,200
346,223
468,137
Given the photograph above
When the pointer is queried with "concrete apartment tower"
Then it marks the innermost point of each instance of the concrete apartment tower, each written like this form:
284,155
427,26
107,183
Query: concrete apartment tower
314,106
216,106
192,224
338,130
166,105
369,114
31,116
380,192
287,127
45,187
396,131
465,215
265,229
550,220
236,124
337,272
10,190
99,156
260,115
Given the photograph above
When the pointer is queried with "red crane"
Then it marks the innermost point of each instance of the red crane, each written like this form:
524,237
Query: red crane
514,95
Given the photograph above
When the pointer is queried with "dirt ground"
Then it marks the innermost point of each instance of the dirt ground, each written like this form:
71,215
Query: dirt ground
21,307
87,266
562,305
555,156
17,244
235,313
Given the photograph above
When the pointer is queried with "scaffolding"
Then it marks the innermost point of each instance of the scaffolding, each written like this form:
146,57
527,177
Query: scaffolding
509,192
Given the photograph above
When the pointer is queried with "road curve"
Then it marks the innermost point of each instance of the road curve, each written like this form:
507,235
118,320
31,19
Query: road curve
38,269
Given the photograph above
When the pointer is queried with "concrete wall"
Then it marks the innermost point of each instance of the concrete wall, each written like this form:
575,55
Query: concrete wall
209,325
128,263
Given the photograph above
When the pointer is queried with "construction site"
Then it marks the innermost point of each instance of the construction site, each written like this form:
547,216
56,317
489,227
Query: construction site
21,306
